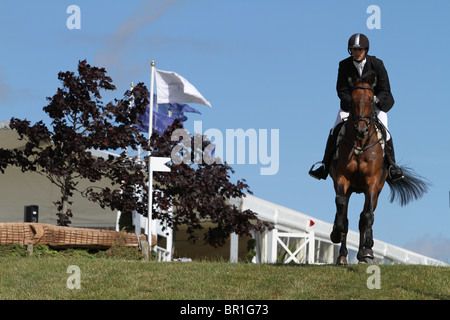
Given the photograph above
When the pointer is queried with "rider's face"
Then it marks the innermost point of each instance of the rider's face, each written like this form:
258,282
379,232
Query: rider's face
358,54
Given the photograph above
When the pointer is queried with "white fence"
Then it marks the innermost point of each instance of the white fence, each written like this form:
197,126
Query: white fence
315,243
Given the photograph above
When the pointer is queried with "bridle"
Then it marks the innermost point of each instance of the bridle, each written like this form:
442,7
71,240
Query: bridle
366,118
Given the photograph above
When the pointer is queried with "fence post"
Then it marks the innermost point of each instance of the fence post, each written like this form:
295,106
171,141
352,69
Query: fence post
234,247
311,249
272,246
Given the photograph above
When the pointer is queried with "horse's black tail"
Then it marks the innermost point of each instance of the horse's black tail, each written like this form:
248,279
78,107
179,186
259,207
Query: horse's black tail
411,187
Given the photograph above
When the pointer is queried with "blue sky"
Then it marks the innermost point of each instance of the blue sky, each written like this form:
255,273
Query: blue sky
262,65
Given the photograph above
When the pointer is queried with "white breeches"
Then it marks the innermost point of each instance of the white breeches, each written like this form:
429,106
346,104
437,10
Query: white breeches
382,116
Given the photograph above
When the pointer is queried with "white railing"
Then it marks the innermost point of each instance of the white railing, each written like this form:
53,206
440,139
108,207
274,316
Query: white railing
290,221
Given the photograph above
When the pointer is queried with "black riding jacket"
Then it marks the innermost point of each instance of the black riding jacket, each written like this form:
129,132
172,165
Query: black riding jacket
382,90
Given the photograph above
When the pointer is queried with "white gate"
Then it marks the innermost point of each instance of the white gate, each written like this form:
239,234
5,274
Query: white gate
300,252
160,231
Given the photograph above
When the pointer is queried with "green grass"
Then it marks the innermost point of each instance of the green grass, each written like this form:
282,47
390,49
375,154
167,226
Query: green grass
45,277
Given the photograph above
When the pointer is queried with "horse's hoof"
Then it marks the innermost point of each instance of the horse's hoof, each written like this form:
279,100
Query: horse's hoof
365,254
363,261
341,261
336,236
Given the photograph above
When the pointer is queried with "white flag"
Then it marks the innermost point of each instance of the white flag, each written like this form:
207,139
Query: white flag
173,88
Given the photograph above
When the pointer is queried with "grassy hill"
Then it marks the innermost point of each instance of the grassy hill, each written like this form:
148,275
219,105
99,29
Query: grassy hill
45,277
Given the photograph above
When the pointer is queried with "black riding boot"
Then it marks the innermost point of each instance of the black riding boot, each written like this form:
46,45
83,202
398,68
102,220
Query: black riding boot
395,171
322,171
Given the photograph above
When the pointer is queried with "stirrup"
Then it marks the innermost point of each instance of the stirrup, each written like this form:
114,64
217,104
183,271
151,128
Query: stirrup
311,171
398,177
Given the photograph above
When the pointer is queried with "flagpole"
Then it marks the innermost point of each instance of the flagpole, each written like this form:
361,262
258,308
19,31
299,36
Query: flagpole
150,172
150,117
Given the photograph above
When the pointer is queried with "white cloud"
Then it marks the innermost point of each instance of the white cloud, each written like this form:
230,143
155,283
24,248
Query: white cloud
119,43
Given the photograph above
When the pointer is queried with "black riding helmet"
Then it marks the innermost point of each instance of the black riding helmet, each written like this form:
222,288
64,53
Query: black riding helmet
358,40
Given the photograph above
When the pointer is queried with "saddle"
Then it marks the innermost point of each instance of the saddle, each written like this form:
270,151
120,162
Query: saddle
380,132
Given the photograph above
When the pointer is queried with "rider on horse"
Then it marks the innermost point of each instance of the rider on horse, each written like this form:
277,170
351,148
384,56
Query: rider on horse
355,66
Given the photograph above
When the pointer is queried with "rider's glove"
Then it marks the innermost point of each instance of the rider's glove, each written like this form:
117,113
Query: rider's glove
377,101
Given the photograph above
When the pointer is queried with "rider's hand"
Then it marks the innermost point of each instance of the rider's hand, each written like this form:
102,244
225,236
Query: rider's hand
377,101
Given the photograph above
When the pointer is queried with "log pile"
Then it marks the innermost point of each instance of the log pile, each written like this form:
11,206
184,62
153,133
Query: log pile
56,236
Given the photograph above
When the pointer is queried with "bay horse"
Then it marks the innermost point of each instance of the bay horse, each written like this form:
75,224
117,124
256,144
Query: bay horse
360,168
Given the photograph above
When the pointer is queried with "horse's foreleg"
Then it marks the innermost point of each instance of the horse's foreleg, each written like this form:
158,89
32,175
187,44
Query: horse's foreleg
365,236
340,227
340,220
343,252
365,226
341,186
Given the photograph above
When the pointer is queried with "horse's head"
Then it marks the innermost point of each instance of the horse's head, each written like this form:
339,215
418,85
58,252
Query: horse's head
362,109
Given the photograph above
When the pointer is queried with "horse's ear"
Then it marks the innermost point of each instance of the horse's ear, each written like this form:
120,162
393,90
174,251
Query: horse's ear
372,79
353,80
